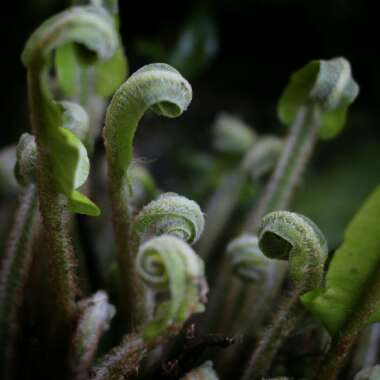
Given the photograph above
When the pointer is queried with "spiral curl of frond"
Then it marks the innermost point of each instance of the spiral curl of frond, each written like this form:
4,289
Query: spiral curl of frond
285,235
247,260
263,156
232,135
158,87
167,263
170,214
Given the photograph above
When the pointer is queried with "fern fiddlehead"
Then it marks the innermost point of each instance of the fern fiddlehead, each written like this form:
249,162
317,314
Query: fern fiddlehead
162,89
169,266
169,214
247,260
315,102
263,156
160,236
62,159
232,135
169,263
90,83
288,236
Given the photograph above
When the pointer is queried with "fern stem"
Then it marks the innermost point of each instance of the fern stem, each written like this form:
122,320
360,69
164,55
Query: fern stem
290,312
219,210
15,267
53,208
124,361
295,155
286,235
337,355
158,87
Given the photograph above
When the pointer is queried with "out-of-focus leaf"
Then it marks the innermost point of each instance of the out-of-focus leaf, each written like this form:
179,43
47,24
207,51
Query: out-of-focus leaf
196,46
72,61
67,69
109,75
232,135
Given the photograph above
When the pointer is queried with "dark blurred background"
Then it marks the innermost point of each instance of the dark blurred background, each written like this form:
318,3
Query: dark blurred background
238,56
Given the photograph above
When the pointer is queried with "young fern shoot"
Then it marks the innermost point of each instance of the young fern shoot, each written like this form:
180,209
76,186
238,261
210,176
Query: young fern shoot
232,136
162,89
91,83
247,260
170,214
168,265
166,262
288,236
314,103
62,159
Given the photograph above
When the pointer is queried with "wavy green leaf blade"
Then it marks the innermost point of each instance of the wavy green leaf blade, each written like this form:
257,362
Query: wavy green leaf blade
80,204
67,69
91,28
297,92
326,84
109,75
354,264
68,156
71,166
